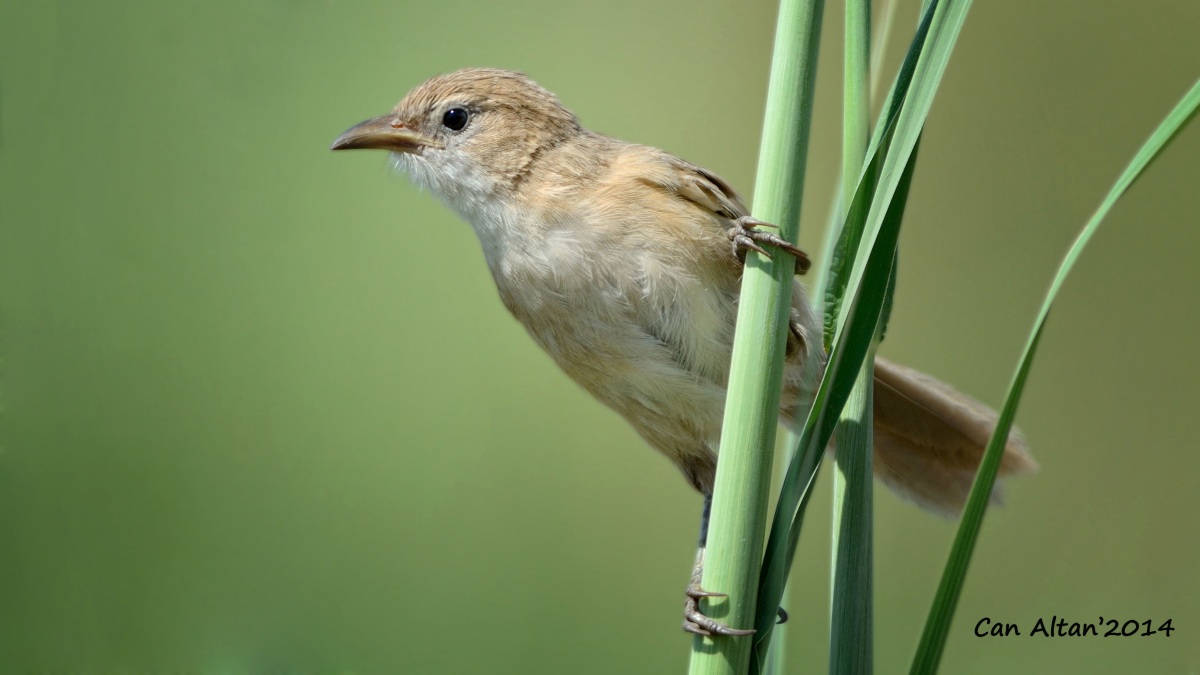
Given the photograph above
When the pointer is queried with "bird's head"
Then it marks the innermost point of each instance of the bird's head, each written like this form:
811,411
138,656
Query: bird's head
467,136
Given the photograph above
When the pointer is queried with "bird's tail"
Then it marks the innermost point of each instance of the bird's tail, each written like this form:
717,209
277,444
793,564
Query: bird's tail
929,439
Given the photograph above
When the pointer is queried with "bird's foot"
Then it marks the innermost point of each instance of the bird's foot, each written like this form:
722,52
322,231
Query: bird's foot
745,236
695,621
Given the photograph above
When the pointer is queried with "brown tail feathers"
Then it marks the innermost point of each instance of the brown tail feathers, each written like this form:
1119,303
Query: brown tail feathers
929,439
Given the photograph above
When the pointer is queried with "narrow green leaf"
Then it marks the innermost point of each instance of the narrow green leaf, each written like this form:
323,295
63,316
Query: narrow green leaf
885,314
844,252
866,284
854,340
837,215
937,625
908,106
944,28
847,357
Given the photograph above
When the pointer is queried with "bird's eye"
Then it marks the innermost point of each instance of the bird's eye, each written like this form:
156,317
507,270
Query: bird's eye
455,119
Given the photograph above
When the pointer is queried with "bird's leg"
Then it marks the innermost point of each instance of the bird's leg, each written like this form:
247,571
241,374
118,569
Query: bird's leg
694,621
745,236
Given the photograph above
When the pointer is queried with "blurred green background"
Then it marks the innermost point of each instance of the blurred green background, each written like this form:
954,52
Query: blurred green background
263,412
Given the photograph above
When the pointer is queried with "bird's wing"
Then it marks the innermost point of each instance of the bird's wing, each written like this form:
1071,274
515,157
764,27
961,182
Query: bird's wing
687,212
709,191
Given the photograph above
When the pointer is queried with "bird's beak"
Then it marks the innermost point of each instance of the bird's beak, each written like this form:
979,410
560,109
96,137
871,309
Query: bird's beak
383,133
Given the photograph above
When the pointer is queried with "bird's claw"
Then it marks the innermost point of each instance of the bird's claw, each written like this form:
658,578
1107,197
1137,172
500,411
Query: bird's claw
695,621
745,236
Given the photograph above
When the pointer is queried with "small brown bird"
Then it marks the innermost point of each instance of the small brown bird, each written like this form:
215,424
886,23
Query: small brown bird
624,263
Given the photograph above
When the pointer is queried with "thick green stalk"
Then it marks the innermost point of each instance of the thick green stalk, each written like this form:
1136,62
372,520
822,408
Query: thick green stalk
850,638
856,96
736,530
850,635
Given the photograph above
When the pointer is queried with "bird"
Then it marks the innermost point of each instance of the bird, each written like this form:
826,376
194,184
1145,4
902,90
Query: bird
624,264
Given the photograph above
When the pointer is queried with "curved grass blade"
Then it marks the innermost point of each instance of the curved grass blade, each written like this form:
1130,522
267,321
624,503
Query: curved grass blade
946,24
844,363
843,252
937,625
865,284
